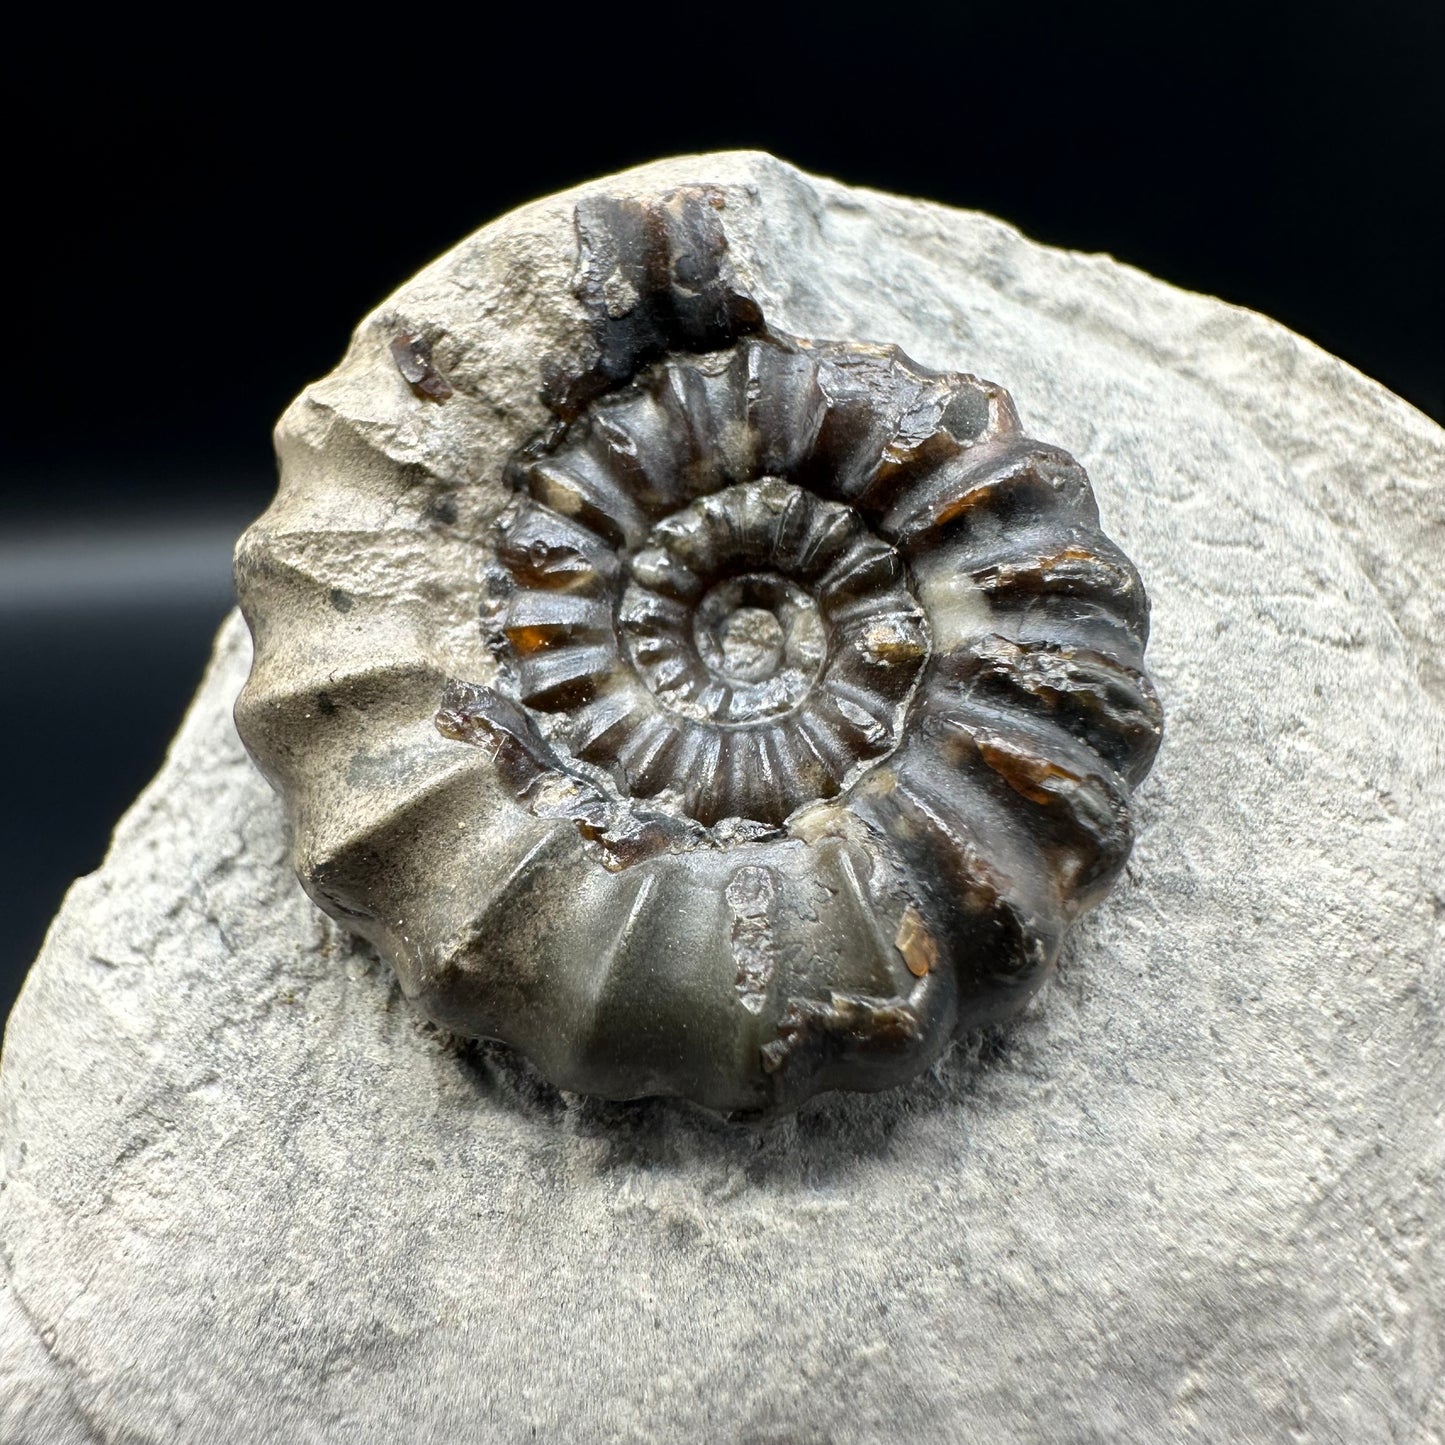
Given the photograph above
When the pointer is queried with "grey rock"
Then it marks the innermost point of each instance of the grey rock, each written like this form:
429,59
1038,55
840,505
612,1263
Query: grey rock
1194,1193
35,1400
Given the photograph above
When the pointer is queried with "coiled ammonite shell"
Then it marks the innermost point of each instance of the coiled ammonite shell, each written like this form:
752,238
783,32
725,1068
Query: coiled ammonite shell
813,704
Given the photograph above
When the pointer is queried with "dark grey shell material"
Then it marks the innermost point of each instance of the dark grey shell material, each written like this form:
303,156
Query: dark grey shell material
815,703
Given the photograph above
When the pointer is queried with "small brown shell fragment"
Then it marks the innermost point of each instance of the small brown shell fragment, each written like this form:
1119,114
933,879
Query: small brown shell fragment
413,359
804,708
916,943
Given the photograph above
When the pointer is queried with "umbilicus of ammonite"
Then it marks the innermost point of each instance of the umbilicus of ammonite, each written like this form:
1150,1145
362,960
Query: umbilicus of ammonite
807,703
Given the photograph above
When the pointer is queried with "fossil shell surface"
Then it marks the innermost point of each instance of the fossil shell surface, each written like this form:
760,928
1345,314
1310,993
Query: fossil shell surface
700,708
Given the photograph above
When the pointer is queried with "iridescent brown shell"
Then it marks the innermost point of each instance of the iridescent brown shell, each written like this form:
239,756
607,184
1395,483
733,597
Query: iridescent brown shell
817,704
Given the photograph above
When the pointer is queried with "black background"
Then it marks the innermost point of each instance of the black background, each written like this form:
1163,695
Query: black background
199,216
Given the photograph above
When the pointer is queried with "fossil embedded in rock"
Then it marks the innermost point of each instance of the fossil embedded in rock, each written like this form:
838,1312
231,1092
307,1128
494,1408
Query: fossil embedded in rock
796,719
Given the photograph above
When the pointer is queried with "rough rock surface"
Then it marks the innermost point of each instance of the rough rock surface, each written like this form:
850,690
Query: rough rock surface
1197,1193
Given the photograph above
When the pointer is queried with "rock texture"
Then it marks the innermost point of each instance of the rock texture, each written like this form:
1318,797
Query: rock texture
1194,1194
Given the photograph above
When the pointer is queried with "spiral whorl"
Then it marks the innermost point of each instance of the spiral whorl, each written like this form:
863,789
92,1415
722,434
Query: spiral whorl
814,706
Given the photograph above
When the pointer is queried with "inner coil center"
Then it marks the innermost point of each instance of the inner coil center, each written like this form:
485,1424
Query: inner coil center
734,654
760,634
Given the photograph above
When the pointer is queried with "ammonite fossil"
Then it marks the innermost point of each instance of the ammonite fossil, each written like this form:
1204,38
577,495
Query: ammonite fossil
806,700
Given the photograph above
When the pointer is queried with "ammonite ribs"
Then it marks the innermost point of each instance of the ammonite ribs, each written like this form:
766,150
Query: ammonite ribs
818,705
